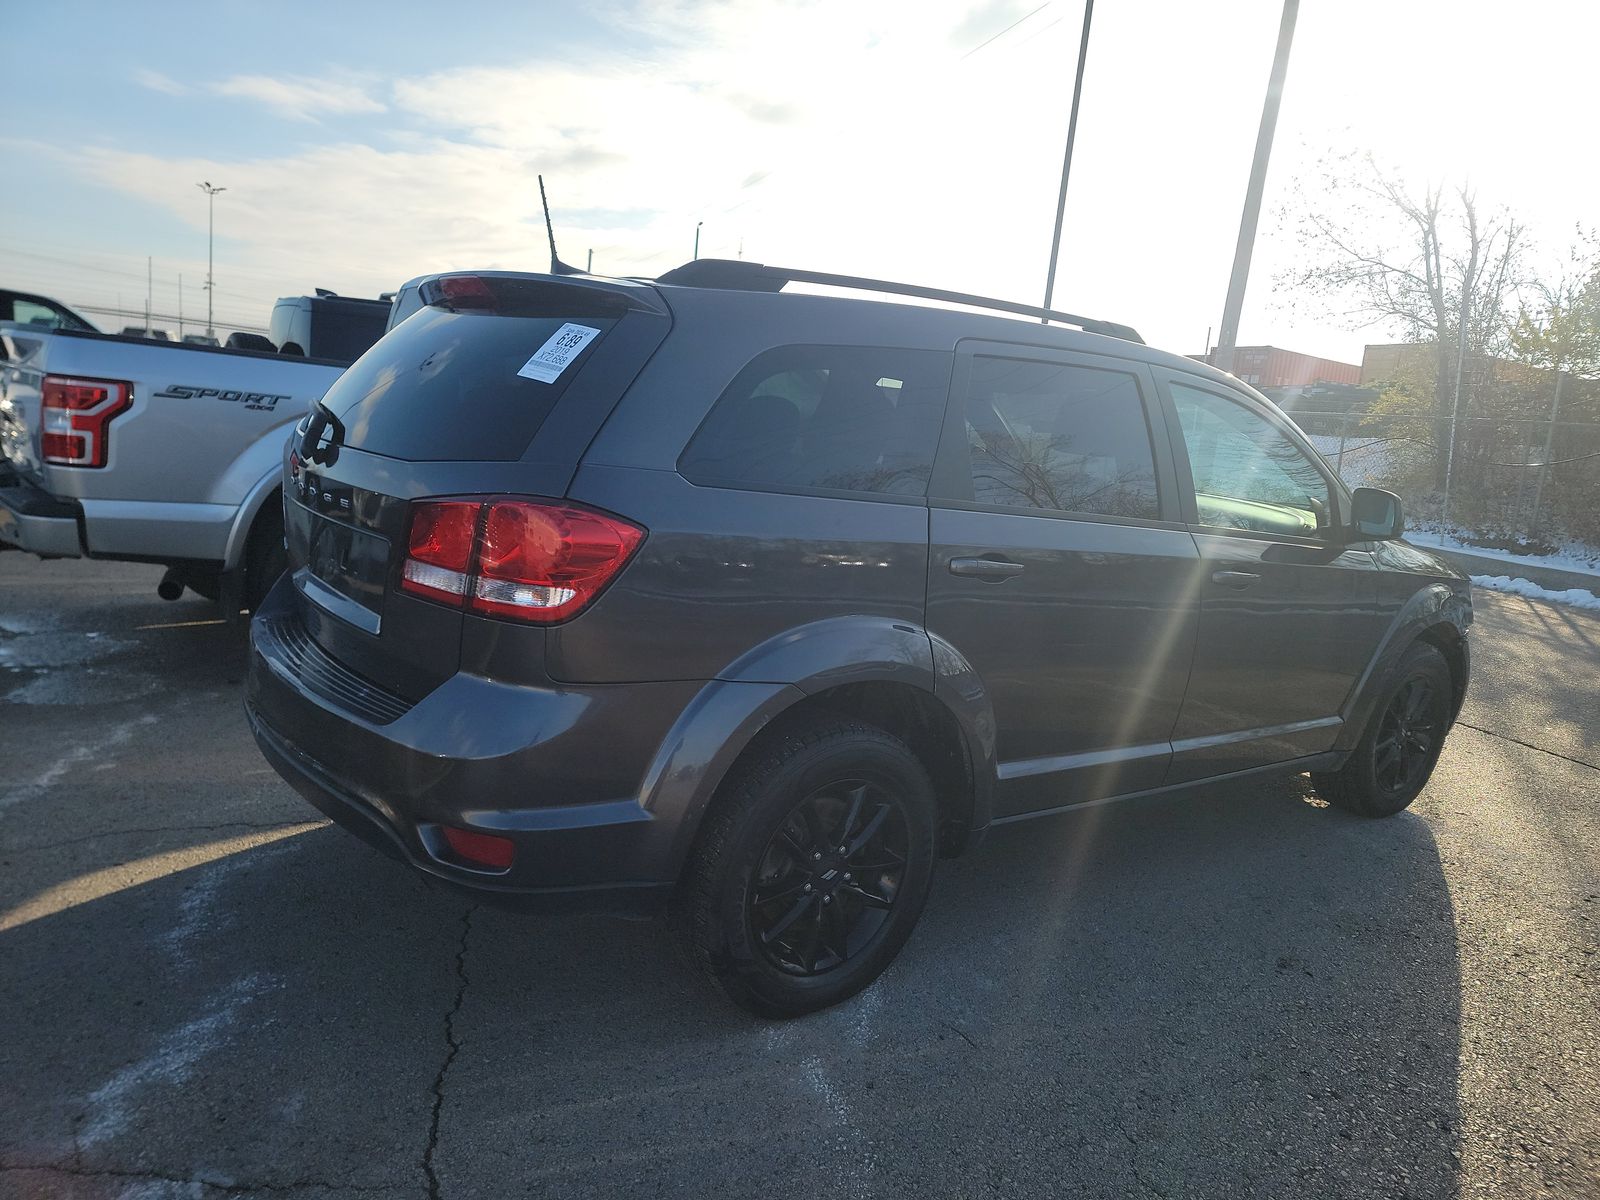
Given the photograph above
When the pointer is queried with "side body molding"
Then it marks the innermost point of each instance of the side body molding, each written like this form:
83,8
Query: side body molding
761,685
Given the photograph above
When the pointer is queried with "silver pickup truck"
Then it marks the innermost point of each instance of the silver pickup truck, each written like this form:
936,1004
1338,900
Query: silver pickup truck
125,448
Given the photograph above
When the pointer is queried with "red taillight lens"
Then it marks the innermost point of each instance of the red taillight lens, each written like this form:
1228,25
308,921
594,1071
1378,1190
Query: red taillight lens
439,550
480,849
75,414
535,562
544,562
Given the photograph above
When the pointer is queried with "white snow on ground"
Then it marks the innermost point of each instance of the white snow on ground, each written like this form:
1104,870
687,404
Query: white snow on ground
115,1102
1575,557
1576,597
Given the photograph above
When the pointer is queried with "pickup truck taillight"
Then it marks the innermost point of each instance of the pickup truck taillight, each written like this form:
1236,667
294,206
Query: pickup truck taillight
527,560
75,415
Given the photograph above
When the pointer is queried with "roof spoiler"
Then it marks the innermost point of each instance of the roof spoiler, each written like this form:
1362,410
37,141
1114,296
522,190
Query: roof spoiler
739,275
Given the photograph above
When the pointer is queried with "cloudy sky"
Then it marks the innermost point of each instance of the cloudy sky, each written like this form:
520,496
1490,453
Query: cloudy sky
364,143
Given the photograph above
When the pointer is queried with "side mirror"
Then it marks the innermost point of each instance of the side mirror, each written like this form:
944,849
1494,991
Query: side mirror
1375,515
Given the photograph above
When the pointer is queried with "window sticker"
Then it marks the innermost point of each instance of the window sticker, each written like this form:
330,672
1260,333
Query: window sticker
552,358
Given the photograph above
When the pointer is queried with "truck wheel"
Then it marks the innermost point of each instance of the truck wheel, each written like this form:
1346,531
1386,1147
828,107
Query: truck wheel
264,557
1396,754
813,867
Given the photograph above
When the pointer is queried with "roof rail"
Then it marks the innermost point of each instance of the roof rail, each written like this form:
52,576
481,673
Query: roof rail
739,275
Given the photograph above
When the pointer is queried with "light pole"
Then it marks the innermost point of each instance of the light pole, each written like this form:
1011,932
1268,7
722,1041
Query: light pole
1066,162
211,242
697,225
1233,308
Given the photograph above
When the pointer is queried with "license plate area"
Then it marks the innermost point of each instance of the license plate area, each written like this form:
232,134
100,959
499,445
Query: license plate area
345,568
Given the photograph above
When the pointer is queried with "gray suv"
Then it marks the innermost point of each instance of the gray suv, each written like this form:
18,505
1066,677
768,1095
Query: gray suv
699,594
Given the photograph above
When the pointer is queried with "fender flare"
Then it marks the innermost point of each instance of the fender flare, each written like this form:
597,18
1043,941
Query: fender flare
245,520
726,715
1431,606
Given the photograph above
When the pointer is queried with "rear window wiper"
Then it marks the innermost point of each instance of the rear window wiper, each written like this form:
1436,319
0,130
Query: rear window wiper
314,446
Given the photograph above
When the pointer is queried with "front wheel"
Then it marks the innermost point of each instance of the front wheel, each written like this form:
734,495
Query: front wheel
813,867
1396,754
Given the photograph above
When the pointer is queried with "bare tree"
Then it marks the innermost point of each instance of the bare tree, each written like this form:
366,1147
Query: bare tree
1431,266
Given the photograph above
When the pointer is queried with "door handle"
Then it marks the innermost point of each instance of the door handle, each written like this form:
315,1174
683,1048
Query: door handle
985,568
1237,580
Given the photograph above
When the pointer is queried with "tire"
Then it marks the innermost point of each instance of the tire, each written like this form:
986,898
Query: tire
264,555
783,922
1397,752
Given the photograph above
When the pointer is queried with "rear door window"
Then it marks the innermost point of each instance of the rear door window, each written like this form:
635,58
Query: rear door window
1059,437
825,419
444,386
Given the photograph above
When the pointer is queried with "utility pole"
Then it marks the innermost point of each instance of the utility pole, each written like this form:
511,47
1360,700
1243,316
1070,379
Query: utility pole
697,225
211,241
180,308
149,284
1228,334
589,270
1066,162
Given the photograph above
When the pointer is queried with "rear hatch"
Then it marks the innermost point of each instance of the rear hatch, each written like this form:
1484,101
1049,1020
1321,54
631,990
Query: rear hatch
494,388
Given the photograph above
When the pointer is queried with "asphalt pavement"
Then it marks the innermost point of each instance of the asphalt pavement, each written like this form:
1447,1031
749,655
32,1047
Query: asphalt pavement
207,991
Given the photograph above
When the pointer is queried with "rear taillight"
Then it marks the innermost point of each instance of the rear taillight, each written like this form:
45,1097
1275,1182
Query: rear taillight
439,552
75,414
534,561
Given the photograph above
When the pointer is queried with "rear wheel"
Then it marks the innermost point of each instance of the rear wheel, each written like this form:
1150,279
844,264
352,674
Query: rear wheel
813,869
1397,752
264,555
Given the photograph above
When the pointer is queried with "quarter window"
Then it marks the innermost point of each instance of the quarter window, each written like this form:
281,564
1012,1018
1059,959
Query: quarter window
1247,472
1063,438
825,418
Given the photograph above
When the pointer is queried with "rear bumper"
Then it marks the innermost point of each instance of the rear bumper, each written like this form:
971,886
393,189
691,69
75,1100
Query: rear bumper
556,770
34,520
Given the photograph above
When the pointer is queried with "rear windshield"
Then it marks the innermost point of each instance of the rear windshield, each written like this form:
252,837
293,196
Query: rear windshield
463,386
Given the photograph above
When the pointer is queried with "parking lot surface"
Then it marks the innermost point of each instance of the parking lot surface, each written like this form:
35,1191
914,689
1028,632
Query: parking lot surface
208,991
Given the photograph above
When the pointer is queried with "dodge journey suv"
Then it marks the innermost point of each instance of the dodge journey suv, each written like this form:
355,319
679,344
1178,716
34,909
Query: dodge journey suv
701,594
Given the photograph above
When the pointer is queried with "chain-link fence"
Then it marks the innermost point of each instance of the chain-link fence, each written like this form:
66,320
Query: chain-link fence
1515,483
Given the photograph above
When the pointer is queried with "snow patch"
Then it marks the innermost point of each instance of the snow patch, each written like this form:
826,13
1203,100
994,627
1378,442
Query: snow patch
855,1154
164,1189
1575,597
116,1101
1585,560
198,911
77,756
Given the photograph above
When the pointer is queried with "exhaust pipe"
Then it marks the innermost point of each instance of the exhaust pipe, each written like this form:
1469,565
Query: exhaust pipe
171,585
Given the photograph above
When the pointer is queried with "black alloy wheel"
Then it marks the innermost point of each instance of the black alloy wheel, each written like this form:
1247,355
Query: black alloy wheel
812,867
1395,756
829,878
1408,735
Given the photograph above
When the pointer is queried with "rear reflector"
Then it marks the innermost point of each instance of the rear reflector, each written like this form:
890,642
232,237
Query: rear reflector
480,849
533,561
74,417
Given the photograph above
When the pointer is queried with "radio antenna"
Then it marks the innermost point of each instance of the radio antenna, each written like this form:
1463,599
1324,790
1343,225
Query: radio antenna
557,267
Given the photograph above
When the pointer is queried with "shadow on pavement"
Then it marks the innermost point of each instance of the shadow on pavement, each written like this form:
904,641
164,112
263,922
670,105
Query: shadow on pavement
1239,994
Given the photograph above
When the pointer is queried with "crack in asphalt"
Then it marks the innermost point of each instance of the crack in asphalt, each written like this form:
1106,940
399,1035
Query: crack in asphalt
452,1047
109,833
1506,737
232,1187
961,1033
